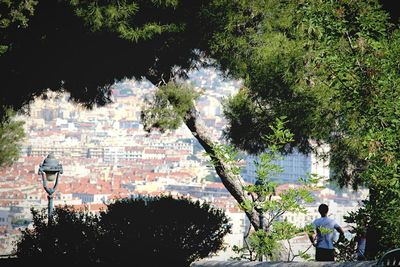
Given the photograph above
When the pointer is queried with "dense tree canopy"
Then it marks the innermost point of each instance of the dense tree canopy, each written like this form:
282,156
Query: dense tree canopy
328,67
83,47
331,67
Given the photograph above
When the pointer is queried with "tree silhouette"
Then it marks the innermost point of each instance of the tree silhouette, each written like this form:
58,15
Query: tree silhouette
149,231
70,239
83,47
161,231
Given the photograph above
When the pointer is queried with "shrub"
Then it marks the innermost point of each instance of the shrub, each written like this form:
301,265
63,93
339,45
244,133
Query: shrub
70,239
163,231
158,231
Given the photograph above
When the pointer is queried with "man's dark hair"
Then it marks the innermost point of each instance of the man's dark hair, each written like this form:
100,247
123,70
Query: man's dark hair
323,209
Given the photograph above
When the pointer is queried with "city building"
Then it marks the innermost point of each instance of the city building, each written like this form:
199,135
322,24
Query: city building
294,166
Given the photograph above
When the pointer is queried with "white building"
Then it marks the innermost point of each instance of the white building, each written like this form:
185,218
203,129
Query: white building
91,198
239,223
68,199
113,153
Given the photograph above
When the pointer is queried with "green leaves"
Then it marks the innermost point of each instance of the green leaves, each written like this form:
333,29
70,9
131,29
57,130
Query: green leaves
324,231
229,155
97,15
264,199
12,134
281,136
123,17
168,108
14,15
263,243
148,31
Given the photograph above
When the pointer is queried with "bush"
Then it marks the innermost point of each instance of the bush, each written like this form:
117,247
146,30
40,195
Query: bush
70,239
158,231
162,231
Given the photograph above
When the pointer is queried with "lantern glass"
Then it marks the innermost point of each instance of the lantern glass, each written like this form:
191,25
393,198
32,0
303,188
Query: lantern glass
50,176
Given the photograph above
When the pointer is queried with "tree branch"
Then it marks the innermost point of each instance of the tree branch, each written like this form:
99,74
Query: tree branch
305,251
290,250
233,183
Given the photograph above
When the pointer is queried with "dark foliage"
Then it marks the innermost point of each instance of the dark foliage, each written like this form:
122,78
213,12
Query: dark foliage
60,50
162,231
70,239
156,231
83,47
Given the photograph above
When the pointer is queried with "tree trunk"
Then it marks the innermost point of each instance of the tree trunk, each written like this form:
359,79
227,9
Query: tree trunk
233,183
371,246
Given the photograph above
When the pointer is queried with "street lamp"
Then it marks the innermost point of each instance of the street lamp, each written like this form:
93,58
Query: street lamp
50,170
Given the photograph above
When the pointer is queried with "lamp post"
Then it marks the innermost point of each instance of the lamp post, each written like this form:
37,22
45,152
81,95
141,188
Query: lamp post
50,170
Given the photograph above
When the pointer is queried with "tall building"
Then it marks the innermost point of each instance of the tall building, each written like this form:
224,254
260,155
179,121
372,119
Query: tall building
294,166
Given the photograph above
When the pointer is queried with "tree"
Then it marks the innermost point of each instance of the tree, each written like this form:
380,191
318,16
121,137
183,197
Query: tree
83,47
172,105
332,69
158,42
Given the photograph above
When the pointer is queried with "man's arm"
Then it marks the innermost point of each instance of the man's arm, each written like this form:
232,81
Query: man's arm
312,236
341,232
311,232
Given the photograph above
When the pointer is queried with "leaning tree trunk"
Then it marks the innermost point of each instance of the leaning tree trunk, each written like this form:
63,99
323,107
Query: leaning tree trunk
233,183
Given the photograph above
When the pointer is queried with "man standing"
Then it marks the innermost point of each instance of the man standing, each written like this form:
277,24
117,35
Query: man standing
322,237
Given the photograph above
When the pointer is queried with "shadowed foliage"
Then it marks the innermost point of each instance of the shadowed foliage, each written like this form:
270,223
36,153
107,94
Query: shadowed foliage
162,231
83,47
147,231
330,67
71,239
